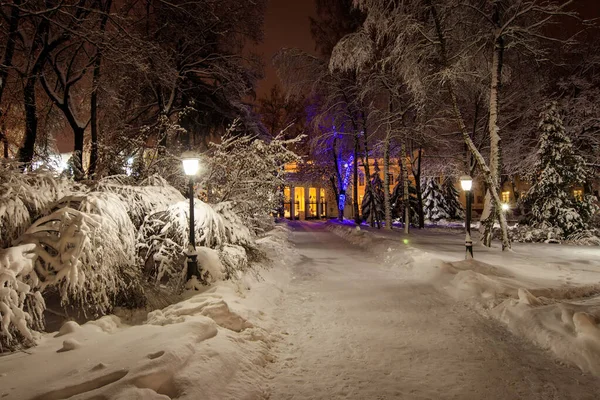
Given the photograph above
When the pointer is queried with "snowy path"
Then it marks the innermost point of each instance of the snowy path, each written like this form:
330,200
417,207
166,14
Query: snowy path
355,331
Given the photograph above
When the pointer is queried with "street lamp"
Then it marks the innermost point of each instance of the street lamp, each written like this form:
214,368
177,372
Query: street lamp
466,182
191,164
505,207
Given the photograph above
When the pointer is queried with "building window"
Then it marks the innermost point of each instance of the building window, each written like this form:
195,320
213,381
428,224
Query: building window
391,178
361,181
578,194
505,197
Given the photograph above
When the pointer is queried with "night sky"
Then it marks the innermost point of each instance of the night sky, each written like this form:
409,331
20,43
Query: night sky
286,25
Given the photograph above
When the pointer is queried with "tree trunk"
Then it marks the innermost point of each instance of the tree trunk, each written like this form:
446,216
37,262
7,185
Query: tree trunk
5,143
417,176
406,188
340,181
491,209
9,50
79,135
3,137
386,183
94,117
357,218
367,169
31,121
337,199
485,170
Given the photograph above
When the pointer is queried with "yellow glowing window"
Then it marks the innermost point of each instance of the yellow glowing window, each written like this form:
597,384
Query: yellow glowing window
505,197
578,194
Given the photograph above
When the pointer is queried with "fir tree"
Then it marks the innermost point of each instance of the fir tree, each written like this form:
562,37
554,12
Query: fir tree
434,202
372,206
455,209
558,170
397,200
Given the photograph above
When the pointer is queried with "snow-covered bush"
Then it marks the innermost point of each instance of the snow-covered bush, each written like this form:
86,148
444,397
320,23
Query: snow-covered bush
531,234
21,306
163,239
234,259
236,232
558,168
151,195
588,237
248,172
25,197
83,256
107,205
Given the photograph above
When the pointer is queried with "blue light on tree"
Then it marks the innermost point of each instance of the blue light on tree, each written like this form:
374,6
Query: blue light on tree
344,183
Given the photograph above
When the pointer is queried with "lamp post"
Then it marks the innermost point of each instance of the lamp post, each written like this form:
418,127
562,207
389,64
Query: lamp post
191,164
466,183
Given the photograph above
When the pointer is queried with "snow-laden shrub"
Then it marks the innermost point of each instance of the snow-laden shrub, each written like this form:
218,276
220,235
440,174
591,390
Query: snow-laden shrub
83,256
153,194
27,196
237,232
163,239
532,234
234,259
107,205
585,238
249,172
21,306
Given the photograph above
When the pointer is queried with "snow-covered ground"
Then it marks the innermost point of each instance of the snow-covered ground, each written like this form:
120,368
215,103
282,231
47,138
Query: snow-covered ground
367,324
211,345
546,293
347,314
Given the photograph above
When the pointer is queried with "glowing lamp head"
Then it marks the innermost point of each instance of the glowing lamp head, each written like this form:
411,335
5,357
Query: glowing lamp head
466,182
505,207
191,163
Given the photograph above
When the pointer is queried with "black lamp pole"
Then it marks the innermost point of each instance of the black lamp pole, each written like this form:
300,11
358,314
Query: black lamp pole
468,240
192,261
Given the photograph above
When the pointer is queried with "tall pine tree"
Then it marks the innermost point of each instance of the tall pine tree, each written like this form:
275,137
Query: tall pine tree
455,209
397,200
434,202
372,206
558,170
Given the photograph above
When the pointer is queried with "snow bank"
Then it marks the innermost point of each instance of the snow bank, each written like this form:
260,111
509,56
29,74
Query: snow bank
212,345
537,304
561,319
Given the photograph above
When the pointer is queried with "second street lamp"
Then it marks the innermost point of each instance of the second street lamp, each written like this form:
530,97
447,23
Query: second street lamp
191,164
466,182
